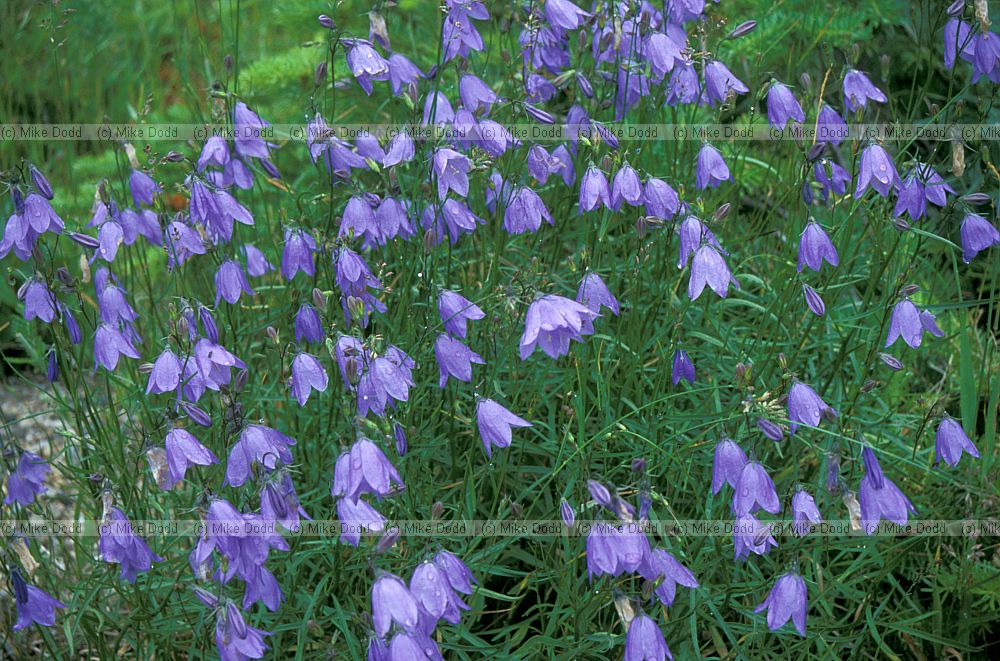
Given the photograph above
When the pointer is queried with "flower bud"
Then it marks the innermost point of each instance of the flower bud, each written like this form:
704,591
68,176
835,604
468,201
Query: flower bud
174,156
568,515
387,541
891,361
326,22
319,74
976,198
956,8
742,30
437,510
272,333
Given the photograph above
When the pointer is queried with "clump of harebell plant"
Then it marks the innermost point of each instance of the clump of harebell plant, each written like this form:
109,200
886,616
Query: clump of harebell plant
453,319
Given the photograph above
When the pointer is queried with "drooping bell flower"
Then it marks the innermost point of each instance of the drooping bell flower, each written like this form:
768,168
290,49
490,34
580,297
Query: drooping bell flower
804,513
358,220
40,216
120,545
401,150
879,497
614,549
552,321
720,83
682,368
806,407
454,359
660,199
728,464
39,301
165,375
958,42
143,188
257,264
433,590
388,380
248,126
538,89
977,235
181,242
452,171
858,90
830,126
495,423
755,490
595,294
751,535
644,641
365,469
183,450
950,441
231,283
786,601
27,479
910,323
403,74
456,311
393,602
34,605
437,110
358,516
366,63
832,178
234,638
594,190
355,281
476,95
260,445
709,268
876,170
564,15
458,33
525,212
814,247
307,375
782,106
626,187
663,52
392,220
297,254
660,564
214,364
308,326
684,86
693,234
711,168
109,345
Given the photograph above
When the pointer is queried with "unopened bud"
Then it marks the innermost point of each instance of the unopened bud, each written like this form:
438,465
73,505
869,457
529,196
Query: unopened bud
437,510
976,198
272,333
387,541
815,152
319,298
721,213
891,361
174,156
909,290
326,22
956,8
319,74
867,386
742,30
